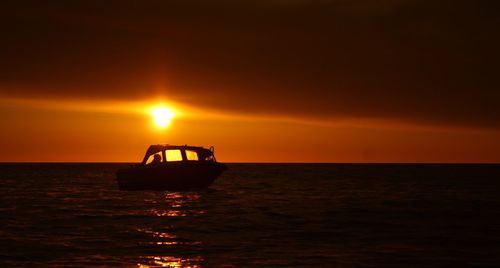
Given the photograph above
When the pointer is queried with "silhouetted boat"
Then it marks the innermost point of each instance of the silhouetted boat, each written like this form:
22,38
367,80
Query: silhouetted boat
172,167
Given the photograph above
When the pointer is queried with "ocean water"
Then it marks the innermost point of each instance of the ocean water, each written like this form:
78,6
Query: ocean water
265,215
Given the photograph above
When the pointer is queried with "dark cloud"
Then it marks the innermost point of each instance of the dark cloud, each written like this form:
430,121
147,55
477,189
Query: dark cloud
424,61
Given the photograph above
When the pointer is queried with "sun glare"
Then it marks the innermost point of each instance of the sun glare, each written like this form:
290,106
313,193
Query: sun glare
162,116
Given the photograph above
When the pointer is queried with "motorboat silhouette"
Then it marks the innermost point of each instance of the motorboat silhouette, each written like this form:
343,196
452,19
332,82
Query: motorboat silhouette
172,167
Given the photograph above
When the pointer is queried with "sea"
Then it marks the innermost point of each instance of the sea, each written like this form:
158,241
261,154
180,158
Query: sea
254,215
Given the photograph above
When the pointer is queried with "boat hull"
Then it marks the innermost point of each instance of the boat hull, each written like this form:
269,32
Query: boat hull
169,176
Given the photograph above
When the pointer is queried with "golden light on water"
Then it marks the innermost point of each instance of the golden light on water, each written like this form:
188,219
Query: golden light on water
177,204
171,261
162,116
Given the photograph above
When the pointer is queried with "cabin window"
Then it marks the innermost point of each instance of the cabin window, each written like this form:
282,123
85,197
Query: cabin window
154,159
191,155
173,155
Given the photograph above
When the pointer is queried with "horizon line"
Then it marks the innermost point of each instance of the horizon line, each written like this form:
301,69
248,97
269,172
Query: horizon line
242,162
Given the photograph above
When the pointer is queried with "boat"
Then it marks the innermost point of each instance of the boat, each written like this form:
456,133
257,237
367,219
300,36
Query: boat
172,167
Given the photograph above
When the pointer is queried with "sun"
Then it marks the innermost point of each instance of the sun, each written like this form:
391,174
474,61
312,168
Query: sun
162,116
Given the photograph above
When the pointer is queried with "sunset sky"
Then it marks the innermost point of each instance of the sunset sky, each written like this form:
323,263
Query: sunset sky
262,81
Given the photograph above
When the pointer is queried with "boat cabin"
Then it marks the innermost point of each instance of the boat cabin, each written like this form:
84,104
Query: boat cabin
175,153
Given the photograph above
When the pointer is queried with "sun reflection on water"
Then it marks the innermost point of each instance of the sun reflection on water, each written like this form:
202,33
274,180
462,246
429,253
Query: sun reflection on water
157,234
170,261
172,204
178,204
168,213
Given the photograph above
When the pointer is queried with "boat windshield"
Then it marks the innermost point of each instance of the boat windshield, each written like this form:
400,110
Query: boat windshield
154,159
173,155
162,154
191,155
